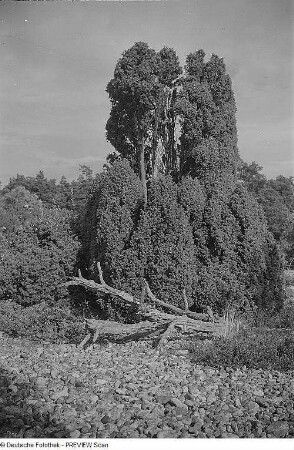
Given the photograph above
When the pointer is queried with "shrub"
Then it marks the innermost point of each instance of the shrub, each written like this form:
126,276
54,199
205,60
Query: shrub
133,242
214,244
260,349
164,247
41,322
38,250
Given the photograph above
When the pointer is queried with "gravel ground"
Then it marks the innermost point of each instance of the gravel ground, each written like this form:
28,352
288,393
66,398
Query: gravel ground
132,391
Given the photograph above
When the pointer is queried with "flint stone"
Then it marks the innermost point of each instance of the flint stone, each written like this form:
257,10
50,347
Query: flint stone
176,402
253,407
75,434
100,381
279,429
166,434
60,394
258,393
163,399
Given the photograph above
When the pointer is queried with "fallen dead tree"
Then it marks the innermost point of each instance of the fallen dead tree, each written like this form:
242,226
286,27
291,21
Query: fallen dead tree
155,322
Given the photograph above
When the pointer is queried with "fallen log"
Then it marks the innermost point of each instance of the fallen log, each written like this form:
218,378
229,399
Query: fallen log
118,332
106,289
155,321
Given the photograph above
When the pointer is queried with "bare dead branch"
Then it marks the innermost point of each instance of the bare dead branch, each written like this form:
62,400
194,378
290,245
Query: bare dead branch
164,336
174,309
185,301
157,321
100,273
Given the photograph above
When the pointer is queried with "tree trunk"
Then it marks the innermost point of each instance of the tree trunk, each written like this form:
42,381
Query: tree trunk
143,170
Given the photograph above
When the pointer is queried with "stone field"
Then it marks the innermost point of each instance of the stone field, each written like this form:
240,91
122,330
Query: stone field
133,391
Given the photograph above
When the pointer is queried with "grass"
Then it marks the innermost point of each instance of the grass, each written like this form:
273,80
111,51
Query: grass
231,324
266,343
260,348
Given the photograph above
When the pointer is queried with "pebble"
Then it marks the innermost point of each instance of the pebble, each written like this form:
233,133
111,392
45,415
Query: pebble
278,429
59,394
75,434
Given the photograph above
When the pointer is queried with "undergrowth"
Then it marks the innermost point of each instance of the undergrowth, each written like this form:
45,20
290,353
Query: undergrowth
41,322
259,349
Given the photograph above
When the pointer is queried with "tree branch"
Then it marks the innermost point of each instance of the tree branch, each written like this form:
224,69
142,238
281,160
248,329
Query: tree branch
156,320
100,274
174,309
185,301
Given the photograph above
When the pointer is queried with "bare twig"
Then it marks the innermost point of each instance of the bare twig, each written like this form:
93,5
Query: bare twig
185,301
174,309
100,273
157,321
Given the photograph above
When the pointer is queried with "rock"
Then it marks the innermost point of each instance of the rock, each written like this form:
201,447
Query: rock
121,391
253,407
210,398
165,434
176,402
279,429
100,381
53,373
94,398
12,410
60,394
13,388
180,411
163,399
105,419
291,387
182,352
197,423
30,433
41,382
39,351
261,401
237,402
75,434
258,393
277,400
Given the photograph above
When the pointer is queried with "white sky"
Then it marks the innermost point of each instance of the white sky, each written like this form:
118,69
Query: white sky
57,57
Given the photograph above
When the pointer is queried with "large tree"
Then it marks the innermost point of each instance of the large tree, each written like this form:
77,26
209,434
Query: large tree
199,228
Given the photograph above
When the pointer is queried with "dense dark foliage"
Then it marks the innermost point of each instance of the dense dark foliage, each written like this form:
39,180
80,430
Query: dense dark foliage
201,229
276,198
208,112
175,205
38,251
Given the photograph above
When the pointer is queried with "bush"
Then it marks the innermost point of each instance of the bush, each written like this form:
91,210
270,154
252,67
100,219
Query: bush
38,250
282,319
41,322
214,244
263,349
133,242
164,245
